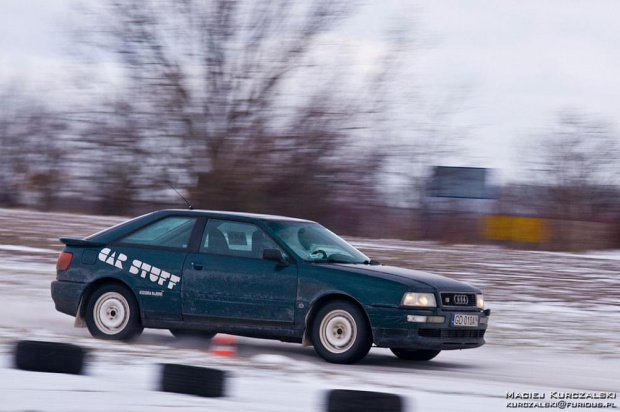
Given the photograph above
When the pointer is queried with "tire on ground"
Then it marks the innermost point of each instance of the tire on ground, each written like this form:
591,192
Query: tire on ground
197,334
51,357
341,400
340,332
415,354
193,380
112,313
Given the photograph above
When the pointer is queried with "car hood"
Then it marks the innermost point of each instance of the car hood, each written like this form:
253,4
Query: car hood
408,276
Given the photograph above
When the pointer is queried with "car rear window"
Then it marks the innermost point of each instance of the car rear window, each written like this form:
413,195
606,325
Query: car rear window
174,232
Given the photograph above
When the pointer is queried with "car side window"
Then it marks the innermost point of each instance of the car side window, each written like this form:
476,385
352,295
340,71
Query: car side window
224,237
174,232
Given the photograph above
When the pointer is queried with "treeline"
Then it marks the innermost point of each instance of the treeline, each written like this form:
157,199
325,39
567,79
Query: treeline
249,106
228,102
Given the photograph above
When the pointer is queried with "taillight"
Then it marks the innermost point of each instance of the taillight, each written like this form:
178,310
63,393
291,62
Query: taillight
64,260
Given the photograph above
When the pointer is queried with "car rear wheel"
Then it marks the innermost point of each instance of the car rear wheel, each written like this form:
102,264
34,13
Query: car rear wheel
112,313
340,333
415,354
184,333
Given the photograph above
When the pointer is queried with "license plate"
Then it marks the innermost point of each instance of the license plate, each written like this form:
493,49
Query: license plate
463,320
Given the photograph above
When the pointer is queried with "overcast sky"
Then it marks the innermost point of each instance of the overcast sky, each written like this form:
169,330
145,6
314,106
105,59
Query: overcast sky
521,60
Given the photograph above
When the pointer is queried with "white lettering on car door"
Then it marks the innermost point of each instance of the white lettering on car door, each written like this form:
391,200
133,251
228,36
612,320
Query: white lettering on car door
154,274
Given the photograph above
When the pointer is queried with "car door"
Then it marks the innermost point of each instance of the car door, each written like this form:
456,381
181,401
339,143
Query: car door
228,279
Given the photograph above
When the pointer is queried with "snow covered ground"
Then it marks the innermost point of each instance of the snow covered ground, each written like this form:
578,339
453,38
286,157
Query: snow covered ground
554,327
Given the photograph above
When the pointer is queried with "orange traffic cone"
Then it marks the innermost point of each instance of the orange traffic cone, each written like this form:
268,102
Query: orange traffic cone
224,345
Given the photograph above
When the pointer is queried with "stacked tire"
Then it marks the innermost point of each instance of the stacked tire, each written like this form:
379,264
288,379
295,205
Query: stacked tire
342,400
50,357
193,380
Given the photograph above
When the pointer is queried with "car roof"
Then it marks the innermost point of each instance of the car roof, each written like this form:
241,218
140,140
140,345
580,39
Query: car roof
220,213
123,228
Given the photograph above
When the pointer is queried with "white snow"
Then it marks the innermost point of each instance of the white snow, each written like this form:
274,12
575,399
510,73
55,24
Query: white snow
119,378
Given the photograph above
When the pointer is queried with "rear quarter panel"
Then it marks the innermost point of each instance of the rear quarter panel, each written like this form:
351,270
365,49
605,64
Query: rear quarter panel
149,273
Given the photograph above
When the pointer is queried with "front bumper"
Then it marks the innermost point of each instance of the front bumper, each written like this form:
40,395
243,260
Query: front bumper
67,295
391,329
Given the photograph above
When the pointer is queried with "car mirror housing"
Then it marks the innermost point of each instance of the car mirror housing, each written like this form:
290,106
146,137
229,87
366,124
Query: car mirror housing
275,255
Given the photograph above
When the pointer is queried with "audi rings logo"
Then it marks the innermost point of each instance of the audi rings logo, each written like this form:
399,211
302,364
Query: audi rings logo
461,299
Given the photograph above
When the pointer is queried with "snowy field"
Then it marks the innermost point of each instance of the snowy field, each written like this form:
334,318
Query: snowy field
554,327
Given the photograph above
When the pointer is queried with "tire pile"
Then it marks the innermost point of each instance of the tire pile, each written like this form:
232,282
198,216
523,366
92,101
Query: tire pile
54,357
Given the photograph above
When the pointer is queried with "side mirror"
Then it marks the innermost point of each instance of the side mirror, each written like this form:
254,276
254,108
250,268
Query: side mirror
275,255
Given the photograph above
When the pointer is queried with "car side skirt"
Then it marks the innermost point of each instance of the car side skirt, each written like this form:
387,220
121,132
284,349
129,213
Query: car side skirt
283,333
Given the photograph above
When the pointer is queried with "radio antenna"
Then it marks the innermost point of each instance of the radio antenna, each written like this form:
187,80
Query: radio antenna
181,196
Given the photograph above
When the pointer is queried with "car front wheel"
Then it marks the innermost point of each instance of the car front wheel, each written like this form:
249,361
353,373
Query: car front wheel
340,333
415,355
112,313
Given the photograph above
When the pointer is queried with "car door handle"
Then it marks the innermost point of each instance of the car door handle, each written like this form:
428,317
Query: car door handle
197,266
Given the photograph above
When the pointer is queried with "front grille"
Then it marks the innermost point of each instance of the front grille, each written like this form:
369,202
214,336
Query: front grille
430,333
452,333
458,299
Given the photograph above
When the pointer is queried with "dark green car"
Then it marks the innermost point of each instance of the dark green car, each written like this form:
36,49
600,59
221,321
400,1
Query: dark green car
201,272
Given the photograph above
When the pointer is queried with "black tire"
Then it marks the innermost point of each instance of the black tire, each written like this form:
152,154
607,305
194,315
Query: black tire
340,333
415,354
193,380
341,400
112,313
198,334
51,357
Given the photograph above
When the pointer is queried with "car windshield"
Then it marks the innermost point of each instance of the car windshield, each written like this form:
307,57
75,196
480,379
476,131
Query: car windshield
314,243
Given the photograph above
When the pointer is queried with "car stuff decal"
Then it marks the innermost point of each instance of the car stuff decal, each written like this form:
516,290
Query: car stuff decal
106,255
154,274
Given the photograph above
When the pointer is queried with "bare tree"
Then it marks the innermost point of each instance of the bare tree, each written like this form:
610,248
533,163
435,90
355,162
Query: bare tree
31,153
577,161
207,92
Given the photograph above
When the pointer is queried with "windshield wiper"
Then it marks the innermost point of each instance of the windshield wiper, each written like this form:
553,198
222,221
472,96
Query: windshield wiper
330,260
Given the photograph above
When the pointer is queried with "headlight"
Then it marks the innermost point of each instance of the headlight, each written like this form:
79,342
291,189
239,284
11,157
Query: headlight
480,301
422,300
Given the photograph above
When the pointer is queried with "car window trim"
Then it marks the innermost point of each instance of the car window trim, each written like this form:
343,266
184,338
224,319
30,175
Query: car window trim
195,239
290,258
119,241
